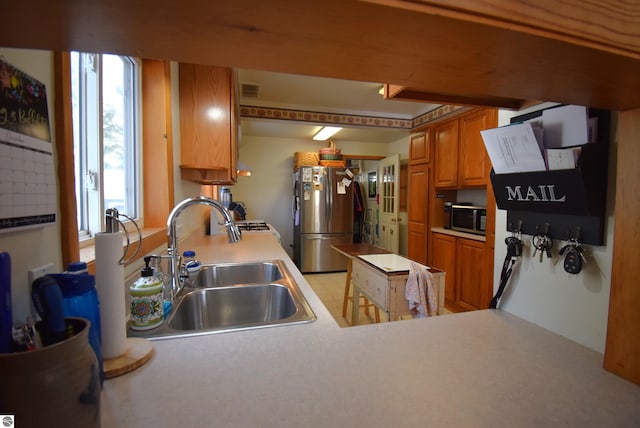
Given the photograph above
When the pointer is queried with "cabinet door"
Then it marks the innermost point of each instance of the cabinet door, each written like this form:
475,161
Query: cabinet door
419,148
443,257
417,213
207,124
473,162
446,154
470,274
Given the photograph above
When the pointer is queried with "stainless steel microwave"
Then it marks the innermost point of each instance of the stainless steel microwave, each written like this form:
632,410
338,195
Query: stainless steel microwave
469,218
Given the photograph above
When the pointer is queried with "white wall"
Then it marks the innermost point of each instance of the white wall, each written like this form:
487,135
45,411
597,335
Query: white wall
574,306
41,245
268,192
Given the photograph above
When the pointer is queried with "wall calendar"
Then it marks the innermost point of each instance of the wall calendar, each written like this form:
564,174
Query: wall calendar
28,191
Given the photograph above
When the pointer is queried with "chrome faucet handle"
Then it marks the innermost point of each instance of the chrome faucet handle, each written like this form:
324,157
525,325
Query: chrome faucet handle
233,233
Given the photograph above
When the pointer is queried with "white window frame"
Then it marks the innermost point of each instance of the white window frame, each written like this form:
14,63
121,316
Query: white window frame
88,133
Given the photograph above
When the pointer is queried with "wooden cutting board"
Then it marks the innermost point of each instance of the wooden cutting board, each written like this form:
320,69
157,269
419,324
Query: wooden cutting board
139,351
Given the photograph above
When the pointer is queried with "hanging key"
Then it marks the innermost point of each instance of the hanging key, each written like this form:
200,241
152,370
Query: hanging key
574,258
543,244
573,261
548,246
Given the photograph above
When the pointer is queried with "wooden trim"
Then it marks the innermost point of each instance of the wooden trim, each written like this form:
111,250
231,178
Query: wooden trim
363,157
573,21
403,93
157,144
70,246
623,330
151,239
580,54
205,176
157,182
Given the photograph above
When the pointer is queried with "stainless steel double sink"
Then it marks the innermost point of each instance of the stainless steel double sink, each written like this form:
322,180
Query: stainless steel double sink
234,296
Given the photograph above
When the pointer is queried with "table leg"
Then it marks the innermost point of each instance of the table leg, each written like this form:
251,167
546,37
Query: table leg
355,306
347,284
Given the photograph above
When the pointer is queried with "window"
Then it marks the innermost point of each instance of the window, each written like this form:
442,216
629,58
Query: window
107,137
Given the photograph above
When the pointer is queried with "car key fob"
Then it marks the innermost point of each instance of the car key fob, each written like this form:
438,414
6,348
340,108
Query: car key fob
573,262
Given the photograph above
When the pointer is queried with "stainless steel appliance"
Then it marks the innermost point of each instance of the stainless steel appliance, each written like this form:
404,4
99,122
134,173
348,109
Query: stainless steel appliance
469,218
323,215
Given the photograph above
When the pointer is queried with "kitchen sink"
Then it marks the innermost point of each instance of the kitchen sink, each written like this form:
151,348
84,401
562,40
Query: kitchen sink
232,306
232,297
237,273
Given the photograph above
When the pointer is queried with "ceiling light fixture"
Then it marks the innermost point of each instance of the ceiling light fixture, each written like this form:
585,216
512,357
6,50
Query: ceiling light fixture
326,132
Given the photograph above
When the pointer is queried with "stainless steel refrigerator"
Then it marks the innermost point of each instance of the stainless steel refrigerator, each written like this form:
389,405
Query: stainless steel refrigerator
323,215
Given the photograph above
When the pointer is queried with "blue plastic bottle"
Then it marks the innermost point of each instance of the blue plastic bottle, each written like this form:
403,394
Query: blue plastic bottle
6,320
80,299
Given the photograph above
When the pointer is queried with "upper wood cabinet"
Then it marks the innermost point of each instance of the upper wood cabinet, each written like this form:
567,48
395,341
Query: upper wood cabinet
419,148
460,157
446,154
208,124
473,162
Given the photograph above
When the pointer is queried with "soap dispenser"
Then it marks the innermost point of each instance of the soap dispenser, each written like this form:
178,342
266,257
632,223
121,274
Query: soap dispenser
147,309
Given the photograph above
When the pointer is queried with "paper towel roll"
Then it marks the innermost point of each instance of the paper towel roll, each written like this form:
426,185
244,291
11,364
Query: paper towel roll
111,292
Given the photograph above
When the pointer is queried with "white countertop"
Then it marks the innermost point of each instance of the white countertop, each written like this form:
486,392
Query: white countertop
481,369
459,234
388,262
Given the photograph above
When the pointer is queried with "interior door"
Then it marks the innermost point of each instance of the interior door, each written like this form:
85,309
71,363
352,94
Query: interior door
389,189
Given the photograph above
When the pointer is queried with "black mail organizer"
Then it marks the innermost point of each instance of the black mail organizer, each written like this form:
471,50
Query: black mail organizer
565,201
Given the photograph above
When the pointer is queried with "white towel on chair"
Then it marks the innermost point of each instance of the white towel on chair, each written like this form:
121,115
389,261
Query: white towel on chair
420,291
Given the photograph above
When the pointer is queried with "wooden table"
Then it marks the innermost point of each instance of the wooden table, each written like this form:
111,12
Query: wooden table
384,289
351,251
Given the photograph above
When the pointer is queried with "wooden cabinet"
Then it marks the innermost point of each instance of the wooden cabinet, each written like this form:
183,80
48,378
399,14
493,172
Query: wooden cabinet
457,160
460,157
471,285
445,150
464,263
443,257
208,124
418,213
419,147
473,161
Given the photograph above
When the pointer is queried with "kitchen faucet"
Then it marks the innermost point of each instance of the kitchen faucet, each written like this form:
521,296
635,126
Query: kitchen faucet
174,255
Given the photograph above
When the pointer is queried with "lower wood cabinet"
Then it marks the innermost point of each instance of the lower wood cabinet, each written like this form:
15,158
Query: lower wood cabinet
443,257
463,261
471,280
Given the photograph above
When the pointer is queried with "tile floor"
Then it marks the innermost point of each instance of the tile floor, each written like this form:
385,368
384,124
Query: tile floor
330,289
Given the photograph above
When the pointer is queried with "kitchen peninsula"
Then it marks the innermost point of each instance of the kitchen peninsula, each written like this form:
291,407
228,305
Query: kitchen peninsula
381,277
484,369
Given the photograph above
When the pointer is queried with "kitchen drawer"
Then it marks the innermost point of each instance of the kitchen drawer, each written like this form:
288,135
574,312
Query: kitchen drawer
372,283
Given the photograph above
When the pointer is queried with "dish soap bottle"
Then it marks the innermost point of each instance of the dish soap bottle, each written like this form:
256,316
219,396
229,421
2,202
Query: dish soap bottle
147,309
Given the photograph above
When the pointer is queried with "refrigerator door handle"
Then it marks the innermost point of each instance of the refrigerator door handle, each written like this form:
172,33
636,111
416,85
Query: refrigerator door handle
319,238
328,201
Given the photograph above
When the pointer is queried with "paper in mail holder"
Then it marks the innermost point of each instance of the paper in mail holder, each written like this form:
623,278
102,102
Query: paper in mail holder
513,148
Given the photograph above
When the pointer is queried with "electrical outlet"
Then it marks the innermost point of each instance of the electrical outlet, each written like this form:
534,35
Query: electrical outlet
37,272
